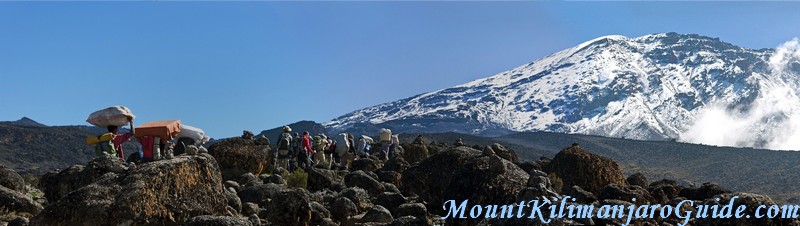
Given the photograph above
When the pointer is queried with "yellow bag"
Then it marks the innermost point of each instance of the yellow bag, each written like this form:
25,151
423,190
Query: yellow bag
102,138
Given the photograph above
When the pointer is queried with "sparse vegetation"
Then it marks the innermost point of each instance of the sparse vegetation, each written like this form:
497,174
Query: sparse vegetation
297,179
556,181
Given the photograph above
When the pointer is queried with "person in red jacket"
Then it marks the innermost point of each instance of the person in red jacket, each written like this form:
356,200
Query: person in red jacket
304,157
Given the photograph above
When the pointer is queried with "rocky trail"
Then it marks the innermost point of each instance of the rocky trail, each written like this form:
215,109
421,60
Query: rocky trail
234,184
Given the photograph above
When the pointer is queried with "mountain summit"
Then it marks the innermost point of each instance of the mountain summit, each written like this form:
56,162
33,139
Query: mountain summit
655,87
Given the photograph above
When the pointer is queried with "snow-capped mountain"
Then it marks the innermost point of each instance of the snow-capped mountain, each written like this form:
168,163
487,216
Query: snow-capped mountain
653,87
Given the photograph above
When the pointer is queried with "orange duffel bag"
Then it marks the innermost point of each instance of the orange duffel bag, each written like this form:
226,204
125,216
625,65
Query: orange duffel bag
166,129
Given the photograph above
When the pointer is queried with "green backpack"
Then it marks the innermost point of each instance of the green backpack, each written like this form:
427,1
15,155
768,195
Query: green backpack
104,148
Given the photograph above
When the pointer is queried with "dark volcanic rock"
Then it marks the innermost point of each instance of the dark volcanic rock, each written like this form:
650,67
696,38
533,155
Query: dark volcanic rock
462,173
11,179
390,200
167,192
505,153
626,193
363,180
57,185
233,201
291,207
663,191
217,221
704,192
319,179
417,210
580,195
751,202
342,208
12,201
637,179
261,194
378,214
409,221
576,166
366,165
318,213
415,152
359,196
237,156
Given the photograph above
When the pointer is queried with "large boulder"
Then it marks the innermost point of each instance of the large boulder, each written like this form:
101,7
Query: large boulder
57,185
15,203
365,164
592,172
363,180
11,179
463,173
284,206
505,153
167,192
319,179
415,151
237,156
378,214
343,208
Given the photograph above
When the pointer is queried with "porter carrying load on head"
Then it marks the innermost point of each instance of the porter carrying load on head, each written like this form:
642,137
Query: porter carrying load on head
111,118
154,137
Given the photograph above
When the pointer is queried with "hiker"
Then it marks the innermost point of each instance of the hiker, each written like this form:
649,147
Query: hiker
364,146
320,147
121,138
284,147
305,153
294,150
342,155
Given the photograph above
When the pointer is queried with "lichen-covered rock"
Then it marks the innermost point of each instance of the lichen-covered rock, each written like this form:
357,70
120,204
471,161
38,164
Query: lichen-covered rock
378,214
342,208
463,173
415,152
57,185
290,207
318,213
167,192
637,179
11,179
237,156
504,153
417,210
363,180
390,200
704,192
15,203
217,221
365,164
359,196
626,193
319,179
592,172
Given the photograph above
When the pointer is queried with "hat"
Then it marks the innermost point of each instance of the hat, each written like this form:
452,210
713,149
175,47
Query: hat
287,129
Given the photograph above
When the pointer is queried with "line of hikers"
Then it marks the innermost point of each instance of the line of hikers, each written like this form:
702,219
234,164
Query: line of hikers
301,150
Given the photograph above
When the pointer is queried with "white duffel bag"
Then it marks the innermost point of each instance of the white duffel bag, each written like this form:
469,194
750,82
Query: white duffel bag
112,116
194,133
385,135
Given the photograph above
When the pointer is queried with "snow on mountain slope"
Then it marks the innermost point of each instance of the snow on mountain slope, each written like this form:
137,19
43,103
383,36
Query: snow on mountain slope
653,87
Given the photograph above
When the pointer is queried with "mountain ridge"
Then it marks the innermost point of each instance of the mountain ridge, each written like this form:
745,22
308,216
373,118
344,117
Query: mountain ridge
653,87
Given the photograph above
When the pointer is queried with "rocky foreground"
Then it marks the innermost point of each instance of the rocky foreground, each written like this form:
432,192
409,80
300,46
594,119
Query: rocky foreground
233,184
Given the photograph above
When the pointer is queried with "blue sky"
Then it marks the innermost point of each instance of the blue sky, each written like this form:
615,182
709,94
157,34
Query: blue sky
230,66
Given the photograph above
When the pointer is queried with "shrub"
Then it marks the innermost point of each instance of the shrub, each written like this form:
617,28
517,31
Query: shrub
556,181
297,179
